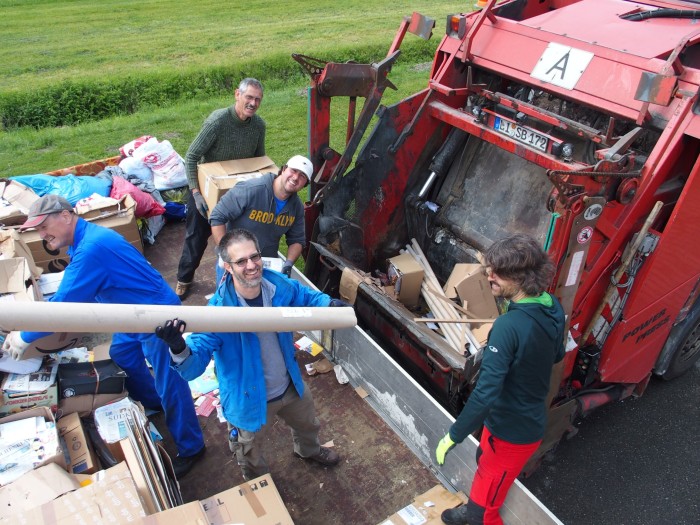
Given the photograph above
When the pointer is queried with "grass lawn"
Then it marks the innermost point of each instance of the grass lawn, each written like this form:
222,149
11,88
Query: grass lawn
111,38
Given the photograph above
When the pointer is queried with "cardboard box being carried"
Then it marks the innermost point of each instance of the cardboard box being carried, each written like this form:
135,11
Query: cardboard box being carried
188,514
427,507
255,502
119,217
216,178
406,274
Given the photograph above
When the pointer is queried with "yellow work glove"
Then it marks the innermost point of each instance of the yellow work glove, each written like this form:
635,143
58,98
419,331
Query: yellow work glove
444,446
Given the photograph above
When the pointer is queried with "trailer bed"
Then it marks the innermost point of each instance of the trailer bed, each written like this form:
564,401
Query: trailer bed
385,439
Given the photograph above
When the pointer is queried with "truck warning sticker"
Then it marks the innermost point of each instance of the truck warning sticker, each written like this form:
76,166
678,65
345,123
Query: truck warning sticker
593,211
584,235
561,65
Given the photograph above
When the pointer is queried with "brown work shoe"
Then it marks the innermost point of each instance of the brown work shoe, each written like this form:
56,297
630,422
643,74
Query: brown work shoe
325,456
181,289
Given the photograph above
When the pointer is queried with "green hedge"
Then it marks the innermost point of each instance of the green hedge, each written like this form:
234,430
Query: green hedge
76,102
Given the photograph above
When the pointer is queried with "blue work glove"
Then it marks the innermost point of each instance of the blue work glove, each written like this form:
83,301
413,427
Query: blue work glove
287,268
171,333
201,205
339,302
444,446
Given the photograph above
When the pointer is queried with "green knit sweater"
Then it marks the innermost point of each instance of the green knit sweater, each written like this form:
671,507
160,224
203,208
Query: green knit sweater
224,136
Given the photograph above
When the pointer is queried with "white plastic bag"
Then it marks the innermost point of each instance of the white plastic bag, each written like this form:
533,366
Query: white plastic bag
127,150
132,166
167,166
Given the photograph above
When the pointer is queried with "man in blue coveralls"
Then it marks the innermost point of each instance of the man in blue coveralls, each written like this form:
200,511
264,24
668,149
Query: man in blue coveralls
105,268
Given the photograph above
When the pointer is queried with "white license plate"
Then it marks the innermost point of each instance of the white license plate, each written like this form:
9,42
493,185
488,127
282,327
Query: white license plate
521,134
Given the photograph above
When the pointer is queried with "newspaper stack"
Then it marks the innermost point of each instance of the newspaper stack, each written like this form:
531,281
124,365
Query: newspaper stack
24,445
22,384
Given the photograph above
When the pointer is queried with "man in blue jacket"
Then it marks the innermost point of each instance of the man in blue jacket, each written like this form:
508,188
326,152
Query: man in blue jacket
259,377
105,268
509,397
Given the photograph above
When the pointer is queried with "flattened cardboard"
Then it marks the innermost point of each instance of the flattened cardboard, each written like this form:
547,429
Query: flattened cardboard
82,457
349,281
110,498
216,178
189,514
255,502
419,512
35,488
407,276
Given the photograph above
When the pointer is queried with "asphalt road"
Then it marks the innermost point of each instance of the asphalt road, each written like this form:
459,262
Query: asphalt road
635,462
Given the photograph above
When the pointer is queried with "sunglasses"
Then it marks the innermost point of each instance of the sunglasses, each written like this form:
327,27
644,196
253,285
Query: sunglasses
241,263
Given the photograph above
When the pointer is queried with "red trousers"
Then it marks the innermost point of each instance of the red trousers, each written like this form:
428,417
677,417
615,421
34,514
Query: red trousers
498,464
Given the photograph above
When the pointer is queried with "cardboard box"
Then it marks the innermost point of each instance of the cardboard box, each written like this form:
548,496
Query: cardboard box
86,404
48,416
15,200
120,218
189,514
98,377
110,498
216,178
35,488
18,403
406,274
17,282
255,502
82,457
11,245
426,508
472,287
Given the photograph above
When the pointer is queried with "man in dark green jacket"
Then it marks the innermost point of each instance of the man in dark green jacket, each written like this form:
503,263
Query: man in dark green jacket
230,133
509,397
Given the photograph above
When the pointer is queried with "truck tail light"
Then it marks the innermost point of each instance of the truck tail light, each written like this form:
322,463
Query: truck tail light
456,26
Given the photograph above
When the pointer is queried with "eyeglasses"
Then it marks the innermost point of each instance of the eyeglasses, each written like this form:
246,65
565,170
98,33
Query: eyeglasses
243,262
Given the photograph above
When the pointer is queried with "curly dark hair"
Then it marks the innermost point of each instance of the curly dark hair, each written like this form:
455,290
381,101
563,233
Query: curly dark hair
232,237
520,259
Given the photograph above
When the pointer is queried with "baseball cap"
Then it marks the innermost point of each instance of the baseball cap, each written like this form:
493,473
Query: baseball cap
301,163
43,207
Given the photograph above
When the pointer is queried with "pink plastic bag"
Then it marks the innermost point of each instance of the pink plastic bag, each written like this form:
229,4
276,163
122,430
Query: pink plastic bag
146,205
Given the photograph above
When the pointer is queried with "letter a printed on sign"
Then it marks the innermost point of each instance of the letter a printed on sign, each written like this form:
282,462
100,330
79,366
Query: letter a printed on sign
561,65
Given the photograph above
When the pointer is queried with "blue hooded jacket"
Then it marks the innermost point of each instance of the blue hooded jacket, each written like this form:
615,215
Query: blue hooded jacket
237,356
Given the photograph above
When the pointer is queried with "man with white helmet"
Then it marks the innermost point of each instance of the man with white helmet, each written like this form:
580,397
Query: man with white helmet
269,207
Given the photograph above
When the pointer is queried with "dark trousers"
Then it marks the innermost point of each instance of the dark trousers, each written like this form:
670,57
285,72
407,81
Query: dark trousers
197,235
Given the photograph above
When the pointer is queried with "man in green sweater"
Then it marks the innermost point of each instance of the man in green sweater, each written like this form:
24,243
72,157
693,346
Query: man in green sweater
230,133
509,397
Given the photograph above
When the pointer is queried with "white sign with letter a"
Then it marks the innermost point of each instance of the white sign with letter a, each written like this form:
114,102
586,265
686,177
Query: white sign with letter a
561,65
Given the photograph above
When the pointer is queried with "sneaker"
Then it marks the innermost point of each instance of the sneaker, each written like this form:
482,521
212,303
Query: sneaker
181,289
325,456
456,516
183,464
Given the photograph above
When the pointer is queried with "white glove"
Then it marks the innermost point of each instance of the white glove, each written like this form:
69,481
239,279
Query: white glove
15,346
